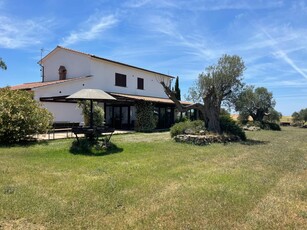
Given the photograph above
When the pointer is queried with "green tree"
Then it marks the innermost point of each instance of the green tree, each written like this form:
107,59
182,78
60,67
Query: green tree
21,116
256,103
2,64
98,113
177,89
303,114
296,117
300,117
221,83
145,117
272,116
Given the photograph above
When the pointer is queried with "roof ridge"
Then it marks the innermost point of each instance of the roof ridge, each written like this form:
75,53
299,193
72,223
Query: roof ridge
109,60
77,51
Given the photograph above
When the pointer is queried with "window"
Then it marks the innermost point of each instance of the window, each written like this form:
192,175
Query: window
120,80
140,83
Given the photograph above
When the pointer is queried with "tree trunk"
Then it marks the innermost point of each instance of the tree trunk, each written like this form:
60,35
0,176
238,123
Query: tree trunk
258,116
210,110
212,118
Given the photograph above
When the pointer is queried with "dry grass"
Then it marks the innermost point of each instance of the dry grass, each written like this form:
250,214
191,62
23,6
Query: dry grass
150,182
286,119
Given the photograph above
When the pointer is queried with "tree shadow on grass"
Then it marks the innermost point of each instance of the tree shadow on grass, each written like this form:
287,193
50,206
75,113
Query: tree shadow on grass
254,142
85,147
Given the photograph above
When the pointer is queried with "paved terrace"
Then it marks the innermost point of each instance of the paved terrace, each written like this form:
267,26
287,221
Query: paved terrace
68,134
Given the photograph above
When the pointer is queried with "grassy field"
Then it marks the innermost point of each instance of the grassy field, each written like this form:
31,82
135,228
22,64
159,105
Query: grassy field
147,181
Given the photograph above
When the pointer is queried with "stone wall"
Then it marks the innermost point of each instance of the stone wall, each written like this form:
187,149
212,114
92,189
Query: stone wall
205,139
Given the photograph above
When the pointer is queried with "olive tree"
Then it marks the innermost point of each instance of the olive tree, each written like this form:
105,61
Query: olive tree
300,117
219,84
255,102
273,116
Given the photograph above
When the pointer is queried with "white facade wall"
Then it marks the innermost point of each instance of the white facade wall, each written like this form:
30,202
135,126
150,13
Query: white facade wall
77,65
63,89
64,112
103,72
104,78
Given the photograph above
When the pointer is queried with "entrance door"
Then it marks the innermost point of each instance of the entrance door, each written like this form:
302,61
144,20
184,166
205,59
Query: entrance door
116,117
166,117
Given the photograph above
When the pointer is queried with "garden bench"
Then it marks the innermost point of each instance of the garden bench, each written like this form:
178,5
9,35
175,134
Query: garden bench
61,126
54,131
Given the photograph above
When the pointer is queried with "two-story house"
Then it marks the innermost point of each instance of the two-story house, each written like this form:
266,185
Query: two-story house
66,71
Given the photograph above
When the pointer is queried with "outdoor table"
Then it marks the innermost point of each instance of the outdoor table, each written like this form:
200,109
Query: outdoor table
94,132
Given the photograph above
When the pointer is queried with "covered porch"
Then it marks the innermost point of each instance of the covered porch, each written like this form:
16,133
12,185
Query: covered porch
121,114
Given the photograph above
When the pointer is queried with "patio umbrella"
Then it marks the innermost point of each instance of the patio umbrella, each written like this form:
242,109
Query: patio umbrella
92,95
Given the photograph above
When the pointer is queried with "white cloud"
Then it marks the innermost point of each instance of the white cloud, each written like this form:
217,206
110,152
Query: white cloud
137,3
17,33
194,44
207,5
213,5
281,54
91,29
153,3
300,5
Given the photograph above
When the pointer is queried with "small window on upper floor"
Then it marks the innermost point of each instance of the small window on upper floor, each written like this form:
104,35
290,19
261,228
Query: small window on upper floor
62,72
140,83
120,80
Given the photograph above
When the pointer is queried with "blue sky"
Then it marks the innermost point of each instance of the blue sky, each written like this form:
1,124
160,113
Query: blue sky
177,37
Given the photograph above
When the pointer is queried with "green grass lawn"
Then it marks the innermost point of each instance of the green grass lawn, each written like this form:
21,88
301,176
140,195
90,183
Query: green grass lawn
150,182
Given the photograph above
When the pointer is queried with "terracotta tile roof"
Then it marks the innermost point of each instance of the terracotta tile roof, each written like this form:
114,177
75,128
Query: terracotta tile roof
146,98
32,85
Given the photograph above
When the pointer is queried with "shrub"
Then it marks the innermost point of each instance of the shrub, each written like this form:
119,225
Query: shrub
21,116
145,118
98,113
270,126
267,125
181,119
229,126
182,127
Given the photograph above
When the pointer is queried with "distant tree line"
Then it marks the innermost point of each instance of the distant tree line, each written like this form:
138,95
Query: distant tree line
299,118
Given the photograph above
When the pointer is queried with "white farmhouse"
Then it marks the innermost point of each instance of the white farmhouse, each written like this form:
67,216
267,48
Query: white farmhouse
66,71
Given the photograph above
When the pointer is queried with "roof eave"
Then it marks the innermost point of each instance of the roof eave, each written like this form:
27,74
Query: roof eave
64,81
